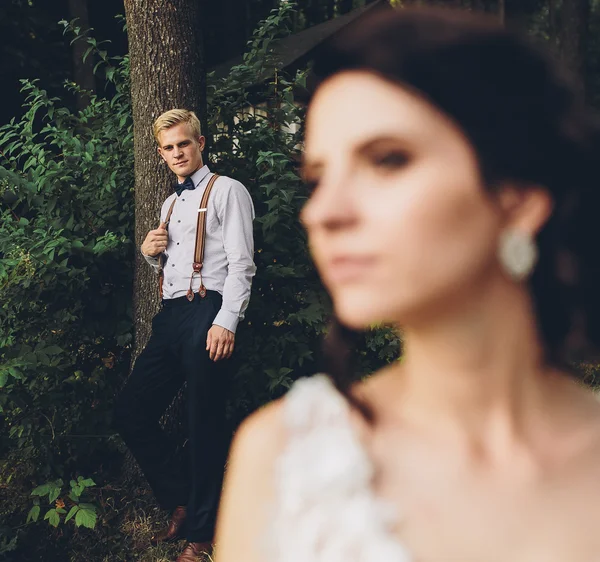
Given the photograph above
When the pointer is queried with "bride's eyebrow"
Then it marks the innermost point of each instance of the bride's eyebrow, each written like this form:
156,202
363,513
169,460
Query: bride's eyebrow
382,142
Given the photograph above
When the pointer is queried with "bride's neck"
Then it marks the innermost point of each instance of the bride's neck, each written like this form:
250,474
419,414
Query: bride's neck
479,367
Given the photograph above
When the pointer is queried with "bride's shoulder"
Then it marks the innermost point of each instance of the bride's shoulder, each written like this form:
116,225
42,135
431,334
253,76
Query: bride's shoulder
308,401
265,430
311,402
258,446
262,431
248,488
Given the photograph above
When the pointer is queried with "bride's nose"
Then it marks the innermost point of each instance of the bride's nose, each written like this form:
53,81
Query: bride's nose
332,206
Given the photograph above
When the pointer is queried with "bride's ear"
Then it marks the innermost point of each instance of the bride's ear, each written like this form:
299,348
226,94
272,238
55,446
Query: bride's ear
525,208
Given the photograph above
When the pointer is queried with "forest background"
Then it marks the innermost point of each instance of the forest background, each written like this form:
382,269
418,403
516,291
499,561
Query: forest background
81,184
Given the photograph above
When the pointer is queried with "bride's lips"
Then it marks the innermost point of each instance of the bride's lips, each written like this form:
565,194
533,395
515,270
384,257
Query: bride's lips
348,268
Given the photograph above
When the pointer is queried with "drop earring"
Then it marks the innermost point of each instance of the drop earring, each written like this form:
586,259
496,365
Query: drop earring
517,253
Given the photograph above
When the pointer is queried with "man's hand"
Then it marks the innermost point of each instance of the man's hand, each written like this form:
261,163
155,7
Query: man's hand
156,241
219,343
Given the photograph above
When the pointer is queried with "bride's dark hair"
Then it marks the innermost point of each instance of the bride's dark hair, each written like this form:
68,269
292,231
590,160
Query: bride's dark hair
527,125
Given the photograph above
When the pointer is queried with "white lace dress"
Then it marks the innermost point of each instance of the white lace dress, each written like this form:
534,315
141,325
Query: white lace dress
326,510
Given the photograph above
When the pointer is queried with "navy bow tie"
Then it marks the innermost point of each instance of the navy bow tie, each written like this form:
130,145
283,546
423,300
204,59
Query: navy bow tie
187,184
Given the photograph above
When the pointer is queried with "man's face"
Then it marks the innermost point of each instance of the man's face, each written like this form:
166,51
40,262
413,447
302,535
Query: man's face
181,150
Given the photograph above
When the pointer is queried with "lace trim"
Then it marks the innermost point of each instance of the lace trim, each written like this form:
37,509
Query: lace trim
326,510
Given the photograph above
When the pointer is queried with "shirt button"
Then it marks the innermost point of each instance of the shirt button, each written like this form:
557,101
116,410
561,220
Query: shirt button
178,243
172,265
183,199
170,284
178,221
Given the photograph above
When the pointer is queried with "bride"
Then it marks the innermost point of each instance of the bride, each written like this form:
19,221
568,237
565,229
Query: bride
454,178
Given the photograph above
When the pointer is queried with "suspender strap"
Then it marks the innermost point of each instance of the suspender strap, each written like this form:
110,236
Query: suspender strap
170,212
161,258
201,228
201,240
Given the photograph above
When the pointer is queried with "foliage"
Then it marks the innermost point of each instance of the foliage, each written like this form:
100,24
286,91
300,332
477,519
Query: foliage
66,223
257,131
30,46
66,270
82,513
257,139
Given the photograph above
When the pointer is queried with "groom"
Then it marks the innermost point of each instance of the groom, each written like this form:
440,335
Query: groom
193,334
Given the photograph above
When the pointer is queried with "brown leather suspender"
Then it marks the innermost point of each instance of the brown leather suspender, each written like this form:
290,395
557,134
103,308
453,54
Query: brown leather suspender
200,243
161,257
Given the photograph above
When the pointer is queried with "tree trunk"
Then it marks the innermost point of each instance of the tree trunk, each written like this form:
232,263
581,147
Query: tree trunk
83,71
573,34
167,71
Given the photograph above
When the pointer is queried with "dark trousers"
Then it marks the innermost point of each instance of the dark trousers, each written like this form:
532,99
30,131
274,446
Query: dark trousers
176,352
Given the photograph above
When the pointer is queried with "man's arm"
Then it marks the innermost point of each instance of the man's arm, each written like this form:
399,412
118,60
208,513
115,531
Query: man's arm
238,241
154,245
156,242
237,214
153,261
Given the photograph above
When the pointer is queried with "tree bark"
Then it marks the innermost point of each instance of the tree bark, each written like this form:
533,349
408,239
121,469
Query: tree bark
573,35
167,71
83,71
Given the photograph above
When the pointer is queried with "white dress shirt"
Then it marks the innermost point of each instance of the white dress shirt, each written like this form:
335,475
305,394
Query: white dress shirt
229,245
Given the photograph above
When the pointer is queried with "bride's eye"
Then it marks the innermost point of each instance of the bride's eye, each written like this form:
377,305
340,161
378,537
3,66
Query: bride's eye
311,184
391,160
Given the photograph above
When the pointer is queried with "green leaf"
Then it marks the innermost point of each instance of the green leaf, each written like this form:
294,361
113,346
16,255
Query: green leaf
72,512
52,517
41,490
54,493
33,514
86,516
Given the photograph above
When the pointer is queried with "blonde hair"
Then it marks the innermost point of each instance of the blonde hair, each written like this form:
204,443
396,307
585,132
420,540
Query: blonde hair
173,117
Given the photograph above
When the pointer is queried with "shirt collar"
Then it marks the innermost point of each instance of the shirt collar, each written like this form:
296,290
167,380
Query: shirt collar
199,175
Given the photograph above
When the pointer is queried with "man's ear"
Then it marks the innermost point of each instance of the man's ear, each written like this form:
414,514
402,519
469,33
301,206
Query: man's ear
525,208
201,142
159,150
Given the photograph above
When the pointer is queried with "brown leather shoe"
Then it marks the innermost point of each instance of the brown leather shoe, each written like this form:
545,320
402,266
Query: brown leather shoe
196,551
175,529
